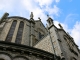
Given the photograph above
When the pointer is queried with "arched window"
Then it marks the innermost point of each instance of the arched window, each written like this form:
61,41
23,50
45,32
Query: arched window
11,31
19,33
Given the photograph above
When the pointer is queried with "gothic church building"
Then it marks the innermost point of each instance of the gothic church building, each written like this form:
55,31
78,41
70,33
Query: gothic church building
29,39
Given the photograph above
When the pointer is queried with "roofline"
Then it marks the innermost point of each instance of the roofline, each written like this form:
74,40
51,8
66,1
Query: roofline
18,17
41,22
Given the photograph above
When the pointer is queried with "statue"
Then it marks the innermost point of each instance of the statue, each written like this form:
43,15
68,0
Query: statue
39,18
60,26
4,17
31,16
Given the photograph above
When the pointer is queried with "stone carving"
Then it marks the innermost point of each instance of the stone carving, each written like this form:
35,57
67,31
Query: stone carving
39,18
31,16
60,26
3,17
49,20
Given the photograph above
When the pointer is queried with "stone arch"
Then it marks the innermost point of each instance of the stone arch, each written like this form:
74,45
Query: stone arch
20,58
5,56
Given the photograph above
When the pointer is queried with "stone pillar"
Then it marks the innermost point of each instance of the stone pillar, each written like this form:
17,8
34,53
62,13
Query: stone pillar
32,25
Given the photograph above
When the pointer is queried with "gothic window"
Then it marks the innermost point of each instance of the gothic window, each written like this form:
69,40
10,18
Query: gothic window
11,31
19,33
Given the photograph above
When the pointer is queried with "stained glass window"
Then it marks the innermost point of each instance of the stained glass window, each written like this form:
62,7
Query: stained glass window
19,33
11,31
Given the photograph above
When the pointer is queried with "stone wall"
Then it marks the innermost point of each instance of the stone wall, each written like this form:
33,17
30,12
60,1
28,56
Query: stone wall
45,44
17,56
50,43
67,50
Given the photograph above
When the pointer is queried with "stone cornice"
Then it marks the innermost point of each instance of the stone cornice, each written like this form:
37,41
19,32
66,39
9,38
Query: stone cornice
7,46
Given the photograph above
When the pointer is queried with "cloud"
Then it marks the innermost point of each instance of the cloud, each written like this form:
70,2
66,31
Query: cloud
71,18
40,8
6,5
75,33
44,2
54,10
57,1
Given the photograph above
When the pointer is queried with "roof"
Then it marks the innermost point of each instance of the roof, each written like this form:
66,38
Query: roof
18,17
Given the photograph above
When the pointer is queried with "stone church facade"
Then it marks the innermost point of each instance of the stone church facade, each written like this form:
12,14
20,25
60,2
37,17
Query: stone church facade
29,39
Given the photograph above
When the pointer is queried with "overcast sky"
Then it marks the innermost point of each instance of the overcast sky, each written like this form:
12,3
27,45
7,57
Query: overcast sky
66,12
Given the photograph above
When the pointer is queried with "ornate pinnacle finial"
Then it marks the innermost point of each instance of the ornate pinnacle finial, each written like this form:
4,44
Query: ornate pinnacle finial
39,18
31,16
60,26
49,20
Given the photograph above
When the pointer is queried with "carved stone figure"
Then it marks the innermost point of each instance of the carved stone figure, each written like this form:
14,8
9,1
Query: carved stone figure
4,17
31,16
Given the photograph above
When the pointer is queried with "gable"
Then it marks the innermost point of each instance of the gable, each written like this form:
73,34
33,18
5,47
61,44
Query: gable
40,26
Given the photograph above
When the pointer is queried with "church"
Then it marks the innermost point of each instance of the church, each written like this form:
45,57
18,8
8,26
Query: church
29,39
